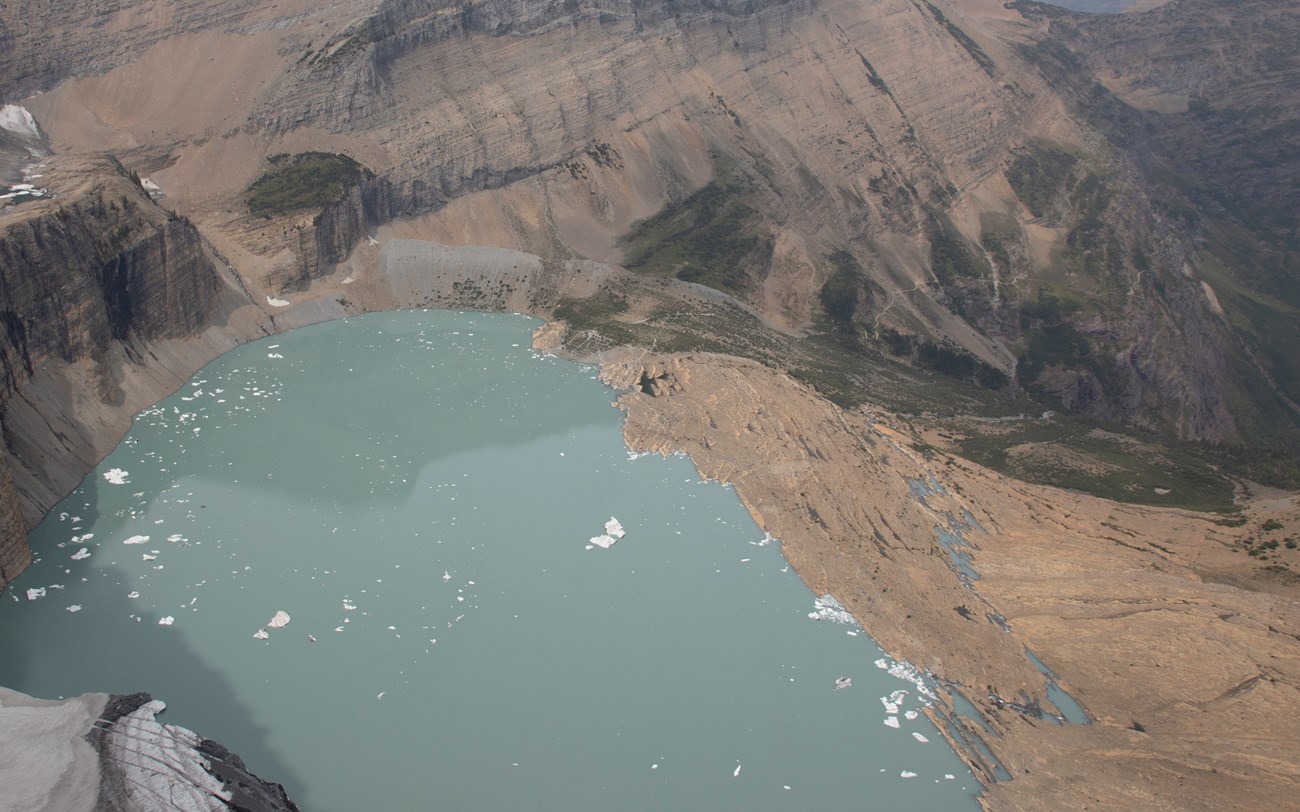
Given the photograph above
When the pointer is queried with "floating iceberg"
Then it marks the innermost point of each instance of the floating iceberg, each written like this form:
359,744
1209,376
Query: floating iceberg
843,682
736,774
922,739
614,528
892,721
280,620
74,608
81,554
907,774
136,540
827,608
116,476
35,592
603,541
166,621
261,634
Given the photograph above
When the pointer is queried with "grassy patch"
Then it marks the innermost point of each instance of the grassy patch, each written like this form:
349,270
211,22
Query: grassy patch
711,236
1038,175
308,180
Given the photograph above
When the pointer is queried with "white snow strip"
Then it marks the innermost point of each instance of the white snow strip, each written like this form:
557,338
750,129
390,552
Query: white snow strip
81,555
274,302
116,476
136,540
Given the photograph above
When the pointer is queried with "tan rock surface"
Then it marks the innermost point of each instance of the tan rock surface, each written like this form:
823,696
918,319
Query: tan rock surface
1193,686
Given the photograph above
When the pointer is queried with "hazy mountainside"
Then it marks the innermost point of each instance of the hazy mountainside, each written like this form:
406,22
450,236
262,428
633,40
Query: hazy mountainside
943,187
1207,103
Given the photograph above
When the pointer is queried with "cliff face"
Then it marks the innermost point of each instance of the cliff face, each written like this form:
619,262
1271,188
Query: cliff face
85,280
14,552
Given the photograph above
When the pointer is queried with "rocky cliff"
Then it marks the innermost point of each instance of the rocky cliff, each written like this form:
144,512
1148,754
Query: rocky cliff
87,281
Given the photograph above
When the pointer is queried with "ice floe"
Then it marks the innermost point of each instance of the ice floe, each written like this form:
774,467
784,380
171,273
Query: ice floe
74,608
891,721
736,774
166,621
116,476
614,528
81,554
919,737
603,541
280,620
907,774
261,634
136,540
35,592
827,608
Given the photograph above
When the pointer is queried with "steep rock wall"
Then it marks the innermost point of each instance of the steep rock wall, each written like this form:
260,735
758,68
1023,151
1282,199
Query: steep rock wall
86,281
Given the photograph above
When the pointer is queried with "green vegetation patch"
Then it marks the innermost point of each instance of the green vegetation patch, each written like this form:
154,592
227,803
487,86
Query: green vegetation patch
1039,174
1069,453
711,237
845,292
308,180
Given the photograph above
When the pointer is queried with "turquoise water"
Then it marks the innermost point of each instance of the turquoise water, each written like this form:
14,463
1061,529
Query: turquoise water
417,491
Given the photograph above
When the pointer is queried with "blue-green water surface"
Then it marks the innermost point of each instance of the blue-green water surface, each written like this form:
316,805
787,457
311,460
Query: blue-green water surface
417,491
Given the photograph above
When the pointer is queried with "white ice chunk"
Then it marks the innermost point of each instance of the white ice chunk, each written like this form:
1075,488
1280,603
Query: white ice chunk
133,595
827,608
907,774
74,608
35,592
274,302
148,557
166,621
614,528
280,620
116,476
136,540
603,541
910,715
892,721
736,774
446,576
81,554
261,634
919,737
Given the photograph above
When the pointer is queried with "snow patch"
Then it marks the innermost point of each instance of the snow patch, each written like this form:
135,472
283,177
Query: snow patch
274,302
16,119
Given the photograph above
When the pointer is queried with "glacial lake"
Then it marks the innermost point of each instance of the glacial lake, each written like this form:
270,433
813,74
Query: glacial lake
418,492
